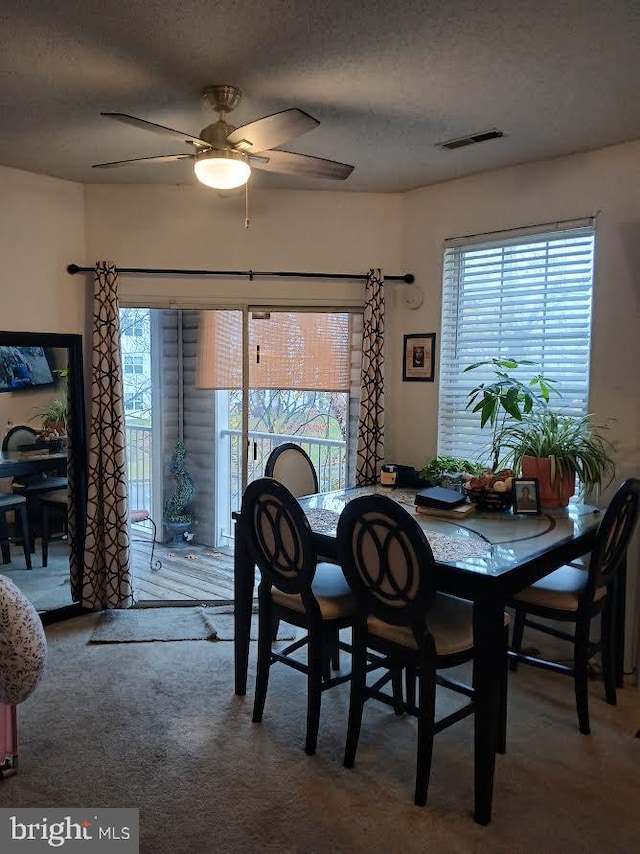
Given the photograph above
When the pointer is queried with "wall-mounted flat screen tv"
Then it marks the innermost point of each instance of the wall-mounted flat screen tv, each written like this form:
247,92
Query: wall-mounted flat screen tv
24,368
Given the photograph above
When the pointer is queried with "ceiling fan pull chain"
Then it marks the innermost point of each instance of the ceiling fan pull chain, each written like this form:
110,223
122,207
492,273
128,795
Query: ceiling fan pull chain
247,221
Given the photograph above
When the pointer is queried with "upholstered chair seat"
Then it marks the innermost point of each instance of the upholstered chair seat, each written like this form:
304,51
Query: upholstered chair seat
449,620
330,590
560,590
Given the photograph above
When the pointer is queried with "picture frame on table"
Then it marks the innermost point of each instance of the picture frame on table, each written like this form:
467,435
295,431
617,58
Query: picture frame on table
526,496
418,358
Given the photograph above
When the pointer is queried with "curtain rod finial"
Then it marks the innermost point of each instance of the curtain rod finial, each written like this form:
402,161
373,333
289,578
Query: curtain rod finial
72,269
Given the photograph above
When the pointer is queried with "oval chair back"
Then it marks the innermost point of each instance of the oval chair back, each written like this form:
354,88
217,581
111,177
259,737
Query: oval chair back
614,533
292,466
18,436
279,537
387,561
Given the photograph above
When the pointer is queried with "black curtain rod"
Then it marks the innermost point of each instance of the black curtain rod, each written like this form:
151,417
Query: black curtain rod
409,278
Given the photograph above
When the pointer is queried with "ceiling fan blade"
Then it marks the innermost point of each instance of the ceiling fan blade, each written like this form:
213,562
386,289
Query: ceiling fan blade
145,125
272,130
160,158
288,163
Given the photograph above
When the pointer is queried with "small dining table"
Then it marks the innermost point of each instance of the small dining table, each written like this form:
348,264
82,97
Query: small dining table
20,463
485,557
26,464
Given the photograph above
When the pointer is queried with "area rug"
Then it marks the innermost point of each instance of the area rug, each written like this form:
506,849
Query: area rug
143,625
219,618
146,625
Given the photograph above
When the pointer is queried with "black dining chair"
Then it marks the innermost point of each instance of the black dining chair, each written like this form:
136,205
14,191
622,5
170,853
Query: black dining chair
18,505
296,589
291,465
35,486
405,622
576,595
52,504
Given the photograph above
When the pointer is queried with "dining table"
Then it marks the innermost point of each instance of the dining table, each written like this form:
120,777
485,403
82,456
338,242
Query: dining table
24,463
486,558
28,464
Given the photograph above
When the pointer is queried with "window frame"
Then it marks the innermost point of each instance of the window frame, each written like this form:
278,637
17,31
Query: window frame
472,308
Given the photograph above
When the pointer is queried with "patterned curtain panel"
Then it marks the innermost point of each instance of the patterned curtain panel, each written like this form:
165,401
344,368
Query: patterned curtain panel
371,423
75,574
107,579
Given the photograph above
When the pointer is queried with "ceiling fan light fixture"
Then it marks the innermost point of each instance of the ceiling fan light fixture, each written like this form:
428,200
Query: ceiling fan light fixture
222,170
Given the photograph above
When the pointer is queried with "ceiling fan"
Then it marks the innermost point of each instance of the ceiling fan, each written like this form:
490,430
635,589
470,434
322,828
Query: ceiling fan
223,154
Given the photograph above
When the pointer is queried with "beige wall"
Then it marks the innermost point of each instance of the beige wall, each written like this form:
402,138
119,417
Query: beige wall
177,227
604,182
41,231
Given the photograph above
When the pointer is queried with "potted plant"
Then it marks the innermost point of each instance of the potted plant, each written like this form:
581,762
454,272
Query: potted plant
507,396
54,424
555,449
443,470
55,416
531,438
178,520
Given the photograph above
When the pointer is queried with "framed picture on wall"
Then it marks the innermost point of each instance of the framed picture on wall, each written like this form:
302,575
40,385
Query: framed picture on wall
418,360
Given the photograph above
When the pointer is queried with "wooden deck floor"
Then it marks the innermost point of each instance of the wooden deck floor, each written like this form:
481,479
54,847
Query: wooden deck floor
192,573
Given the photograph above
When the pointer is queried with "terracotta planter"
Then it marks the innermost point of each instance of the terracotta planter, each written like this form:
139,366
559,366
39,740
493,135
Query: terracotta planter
551,497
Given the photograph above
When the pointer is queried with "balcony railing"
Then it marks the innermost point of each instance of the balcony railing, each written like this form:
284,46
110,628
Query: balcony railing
138,455
329,457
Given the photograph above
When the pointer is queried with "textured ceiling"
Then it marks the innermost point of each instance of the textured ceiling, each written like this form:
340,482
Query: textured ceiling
387,81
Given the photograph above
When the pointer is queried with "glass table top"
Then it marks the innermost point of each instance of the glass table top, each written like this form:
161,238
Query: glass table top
483,542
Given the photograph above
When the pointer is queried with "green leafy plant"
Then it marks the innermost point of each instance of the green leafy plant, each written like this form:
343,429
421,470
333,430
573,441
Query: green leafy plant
507,396
175,506
437,467
573,443
54,415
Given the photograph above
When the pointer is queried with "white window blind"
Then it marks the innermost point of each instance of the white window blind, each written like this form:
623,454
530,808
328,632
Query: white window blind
525,295
303,350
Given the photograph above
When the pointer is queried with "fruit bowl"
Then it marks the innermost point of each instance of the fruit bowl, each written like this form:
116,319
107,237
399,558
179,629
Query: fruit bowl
492,490
489,499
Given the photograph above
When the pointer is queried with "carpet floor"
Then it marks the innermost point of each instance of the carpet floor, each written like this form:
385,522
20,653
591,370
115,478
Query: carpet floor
157,726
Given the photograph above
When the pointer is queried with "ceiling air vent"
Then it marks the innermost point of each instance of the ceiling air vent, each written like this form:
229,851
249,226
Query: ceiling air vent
450,144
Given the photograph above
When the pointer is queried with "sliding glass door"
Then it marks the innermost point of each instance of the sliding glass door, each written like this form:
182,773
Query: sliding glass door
300,389
216,390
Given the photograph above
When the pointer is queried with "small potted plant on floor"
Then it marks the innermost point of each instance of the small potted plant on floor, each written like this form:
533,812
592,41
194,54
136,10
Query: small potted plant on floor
178,520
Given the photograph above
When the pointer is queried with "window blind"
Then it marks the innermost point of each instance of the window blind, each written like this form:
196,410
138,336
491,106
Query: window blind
520,295
306,351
